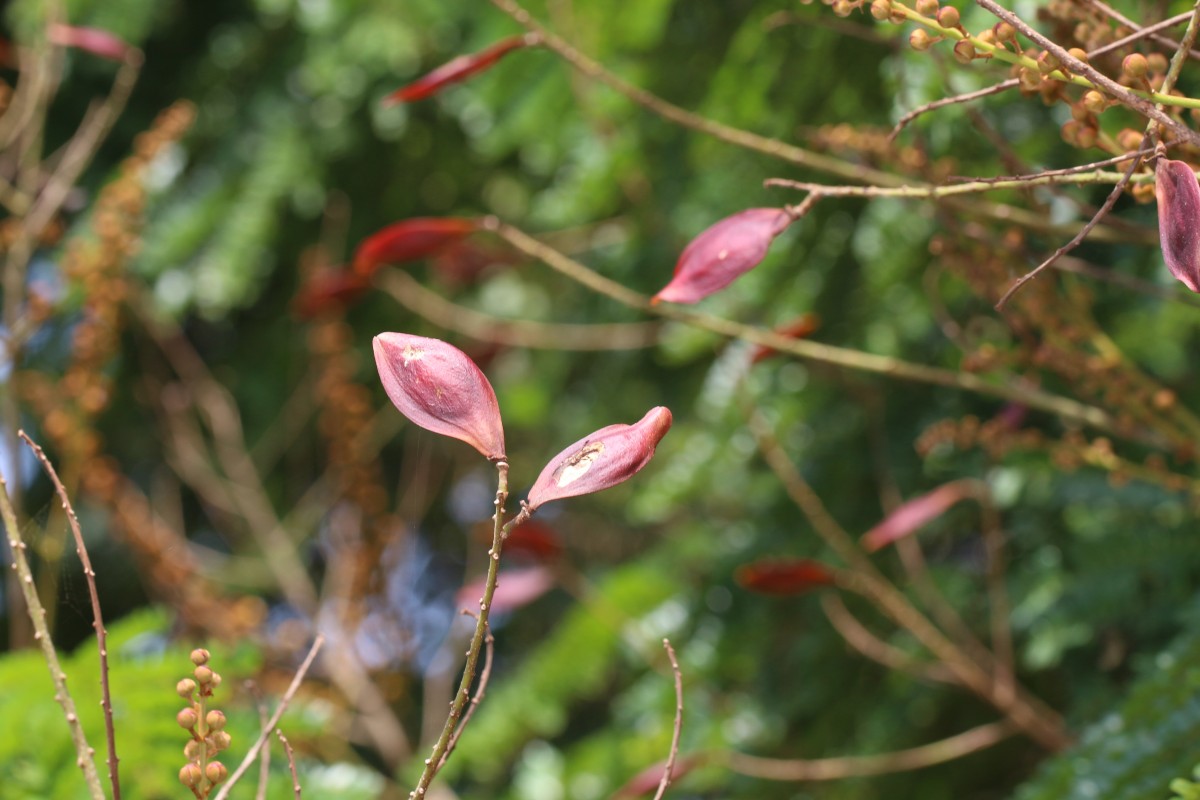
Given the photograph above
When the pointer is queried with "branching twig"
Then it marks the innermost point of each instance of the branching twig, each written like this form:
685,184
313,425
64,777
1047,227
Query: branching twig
879,651
89,574
37,615
273,723
814,351
485,675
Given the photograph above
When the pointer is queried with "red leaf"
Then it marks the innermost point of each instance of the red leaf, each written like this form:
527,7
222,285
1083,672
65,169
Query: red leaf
647,781
783,577
913,515
329,290
409,240
601,460
438,388
727,249
514,588
91,40
1178,196
534,540
457,70
800,328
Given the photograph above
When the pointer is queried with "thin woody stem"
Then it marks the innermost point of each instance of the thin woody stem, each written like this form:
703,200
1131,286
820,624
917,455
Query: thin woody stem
452,729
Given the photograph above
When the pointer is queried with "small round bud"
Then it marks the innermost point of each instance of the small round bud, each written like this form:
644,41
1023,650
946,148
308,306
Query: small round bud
1094,101
1047,62
1143,192
842,8
927,7
1079,54
964,51
194,750
1135,65
1086,137
987,37
1157,62
185,688
215,720
220,740
920,39
1004,32
190,775
187,718
216,680
1030,80
881,9
216,772
200,656
1129,139
204,675
948,17
1070,132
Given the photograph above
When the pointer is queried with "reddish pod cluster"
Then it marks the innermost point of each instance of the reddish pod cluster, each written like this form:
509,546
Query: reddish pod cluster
1178,195
722,253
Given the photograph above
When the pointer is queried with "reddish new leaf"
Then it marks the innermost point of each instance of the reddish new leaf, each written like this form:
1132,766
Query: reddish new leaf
409,240
514,589
457,70
800,328
1178,196
90,40
329,290
601,460
915,514
647,781
724,251
440,389
783,577
534,540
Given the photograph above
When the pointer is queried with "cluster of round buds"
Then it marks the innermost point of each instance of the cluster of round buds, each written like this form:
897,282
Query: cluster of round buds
202,772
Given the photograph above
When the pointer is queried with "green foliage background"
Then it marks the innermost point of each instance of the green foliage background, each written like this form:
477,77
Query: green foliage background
289,119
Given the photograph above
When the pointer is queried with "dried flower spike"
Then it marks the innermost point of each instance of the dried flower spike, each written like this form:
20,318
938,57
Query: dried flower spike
409,240
457,70
439,388
601,460
1178,196
722,252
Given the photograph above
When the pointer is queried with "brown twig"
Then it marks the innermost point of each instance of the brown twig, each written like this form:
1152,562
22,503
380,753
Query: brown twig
751,141
669,768
1078,238
291,759
512,332
1166,41
1097,78
273,723
37,615
264,760
874,648
485,675
89,574
967,97
829,769
814,351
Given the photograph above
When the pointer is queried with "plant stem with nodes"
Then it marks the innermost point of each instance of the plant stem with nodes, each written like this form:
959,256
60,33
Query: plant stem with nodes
453,729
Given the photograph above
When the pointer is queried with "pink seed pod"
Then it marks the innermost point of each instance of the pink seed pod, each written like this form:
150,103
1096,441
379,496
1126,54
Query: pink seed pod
601,460
457,70
1178,196
915,514
440,389
409,240
721,253
91,40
